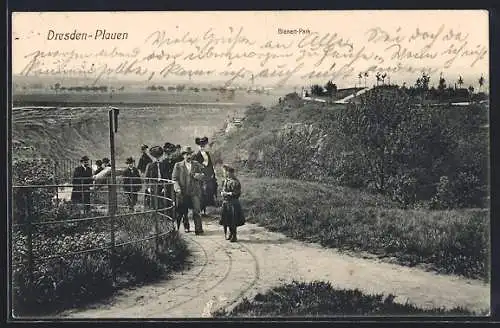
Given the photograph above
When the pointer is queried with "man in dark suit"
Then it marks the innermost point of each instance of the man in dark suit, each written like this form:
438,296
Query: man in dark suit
188,176
209,186
82,180
167,166
131,183
168,161
153,176
144,160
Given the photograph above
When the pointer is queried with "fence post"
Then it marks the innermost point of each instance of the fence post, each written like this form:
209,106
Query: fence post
156,217
112,195
173,200
29,237
56,180
111,211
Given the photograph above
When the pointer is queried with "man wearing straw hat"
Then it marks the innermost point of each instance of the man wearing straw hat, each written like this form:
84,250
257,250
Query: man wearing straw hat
188,176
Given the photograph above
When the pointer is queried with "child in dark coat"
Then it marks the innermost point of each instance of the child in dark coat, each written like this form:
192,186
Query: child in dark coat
232,213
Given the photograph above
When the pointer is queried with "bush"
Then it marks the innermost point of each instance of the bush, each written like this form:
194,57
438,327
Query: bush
70,281
384,143
320,298
32,172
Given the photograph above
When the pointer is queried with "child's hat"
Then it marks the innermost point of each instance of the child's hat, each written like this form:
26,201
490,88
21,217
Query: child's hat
228,167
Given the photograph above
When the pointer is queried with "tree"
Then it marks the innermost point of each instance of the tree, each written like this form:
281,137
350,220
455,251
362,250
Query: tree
57,86
331,88
317,90
441,87
378,77
460,81
418,83
383,78
360,76
366,76
481,83
471,92
424,80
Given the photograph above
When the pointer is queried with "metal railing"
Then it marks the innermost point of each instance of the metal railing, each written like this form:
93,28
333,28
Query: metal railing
43,210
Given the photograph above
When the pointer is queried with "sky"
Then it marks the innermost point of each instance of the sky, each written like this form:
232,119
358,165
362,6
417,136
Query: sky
248,48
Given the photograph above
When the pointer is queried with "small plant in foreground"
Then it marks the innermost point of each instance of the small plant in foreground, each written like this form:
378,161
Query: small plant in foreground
322,299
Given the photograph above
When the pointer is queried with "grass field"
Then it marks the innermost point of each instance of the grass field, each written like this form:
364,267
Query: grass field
139,97
454,241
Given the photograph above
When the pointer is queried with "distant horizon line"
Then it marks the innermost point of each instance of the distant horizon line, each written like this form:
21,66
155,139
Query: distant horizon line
170,82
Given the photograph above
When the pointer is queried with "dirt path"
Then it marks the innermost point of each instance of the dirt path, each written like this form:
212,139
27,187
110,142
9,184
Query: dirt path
222,273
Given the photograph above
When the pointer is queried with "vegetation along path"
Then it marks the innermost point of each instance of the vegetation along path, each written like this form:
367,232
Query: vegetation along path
222,273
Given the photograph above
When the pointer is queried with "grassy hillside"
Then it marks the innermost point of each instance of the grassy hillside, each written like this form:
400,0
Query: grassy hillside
404,183
420,156
447,241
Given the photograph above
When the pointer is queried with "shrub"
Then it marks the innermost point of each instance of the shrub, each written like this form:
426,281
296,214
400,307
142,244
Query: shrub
32,172
385,143
69,281
320,298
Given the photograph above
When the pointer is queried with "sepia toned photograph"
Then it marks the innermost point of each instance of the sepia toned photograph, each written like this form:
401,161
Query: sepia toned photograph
249,164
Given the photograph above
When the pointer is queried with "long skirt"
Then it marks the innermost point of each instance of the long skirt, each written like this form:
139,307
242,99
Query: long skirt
232,213
209,193
80,196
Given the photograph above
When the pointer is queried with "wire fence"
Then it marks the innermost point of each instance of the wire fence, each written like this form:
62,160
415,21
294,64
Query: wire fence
55,222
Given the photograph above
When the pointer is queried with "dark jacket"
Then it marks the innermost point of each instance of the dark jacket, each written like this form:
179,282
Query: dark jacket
209,187
209,169
143,162
232,212
131,180
167,166
82,179
151,170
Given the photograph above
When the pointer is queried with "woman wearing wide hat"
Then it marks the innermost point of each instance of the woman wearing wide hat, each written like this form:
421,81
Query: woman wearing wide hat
209,187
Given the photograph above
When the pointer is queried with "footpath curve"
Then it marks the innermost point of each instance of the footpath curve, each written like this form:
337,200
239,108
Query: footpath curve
222,273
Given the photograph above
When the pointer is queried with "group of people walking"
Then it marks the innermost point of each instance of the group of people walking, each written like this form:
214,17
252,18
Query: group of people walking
192,184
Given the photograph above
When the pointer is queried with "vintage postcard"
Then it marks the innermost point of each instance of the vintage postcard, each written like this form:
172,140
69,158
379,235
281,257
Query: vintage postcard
263,164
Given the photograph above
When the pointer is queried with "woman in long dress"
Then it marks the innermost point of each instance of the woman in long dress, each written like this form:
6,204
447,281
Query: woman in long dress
209,187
